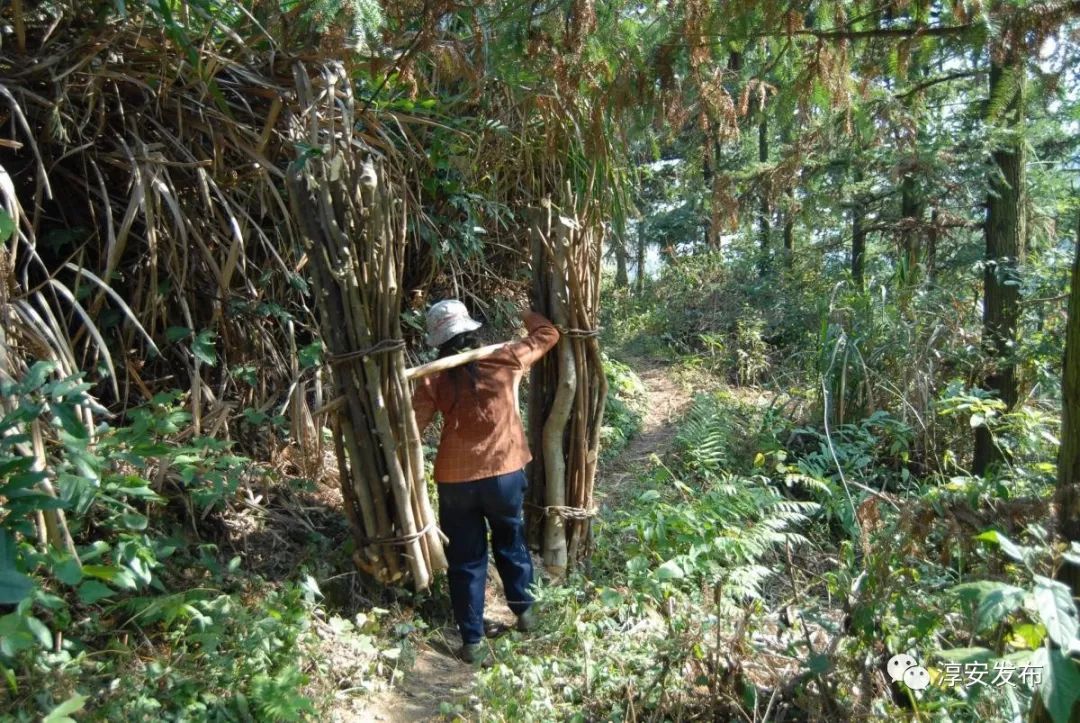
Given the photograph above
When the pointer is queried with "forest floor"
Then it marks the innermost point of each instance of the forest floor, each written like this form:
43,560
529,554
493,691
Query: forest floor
436,676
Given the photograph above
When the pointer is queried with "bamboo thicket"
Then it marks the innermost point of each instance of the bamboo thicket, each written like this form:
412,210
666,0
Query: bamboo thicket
348,202
568,387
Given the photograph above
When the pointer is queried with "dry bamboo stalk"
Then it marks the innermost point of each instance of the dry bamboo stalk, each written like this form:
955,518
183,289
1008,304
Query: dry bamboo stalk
449,362
424,370
400,488
574,276
436,554
346,206
587,302
554,550
55,522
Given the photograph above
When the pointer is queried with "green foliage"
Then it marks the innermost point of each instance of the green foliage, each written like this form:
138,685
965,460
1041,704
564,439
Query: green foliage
874,453
1032,626
720,539
671,575
189,636
622,415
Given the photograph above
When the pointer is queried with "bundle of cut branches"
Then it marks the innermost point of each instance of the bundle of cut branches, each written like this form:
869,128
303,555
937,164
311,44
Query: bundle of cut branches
568,389
348,201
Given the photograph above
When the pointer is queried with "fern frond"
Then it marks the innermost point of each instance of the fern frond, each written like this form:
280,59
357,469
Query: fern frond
1004,91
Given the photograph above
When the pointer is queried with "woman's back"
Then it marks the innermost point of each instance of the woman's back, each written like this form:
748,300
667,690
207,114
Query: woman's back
482,431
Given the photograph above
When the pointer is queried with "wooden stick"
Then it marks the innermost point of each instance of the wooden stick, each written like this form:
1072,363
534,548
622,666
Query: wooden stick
354,229
554,451
424,370
449,362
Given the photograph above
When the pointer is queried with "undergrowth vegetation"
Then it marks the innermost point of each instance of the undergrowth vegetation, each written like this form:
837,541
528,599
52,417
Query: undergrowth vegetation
854,226
622,416
814,518
173,608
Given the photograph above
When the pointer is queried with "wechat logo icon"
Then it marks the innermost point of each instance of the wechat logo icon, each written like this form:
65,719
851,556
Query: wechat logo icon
904,668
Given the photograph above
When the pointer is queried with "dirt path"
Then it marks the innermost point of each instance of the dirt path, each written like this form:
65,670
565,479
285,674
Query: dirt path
436,676
666,400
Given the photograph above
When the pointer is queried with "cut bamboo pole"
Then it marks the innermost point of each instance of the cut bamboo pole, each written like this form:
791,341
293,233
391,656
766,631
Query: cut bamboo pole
352,221
568,390
555,552
450,362
425,370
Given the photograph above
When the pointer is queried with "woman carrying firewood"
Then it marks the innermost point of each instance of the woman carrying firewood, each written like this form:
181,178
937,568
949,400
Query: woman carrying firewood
479,465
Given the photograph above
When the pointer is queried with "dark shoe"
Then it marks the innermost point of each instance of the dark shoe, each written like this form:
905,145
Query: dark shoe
493,628
473,653
528,620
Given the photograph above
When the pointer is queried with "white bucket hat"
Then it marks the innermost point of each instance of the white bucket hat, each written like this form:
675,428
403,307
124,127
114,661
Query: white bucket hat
447,319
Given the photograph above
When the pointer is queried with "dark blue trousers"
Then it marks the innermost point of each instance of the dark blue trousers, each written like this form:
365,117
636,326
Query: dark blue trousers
463,508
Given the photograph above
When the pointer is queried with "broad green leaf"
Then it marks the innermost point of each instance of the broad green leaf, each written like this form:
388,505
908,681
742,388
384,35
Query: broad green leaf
39,631
91,591
965,655
7,226
310,355
1028,635
125,580
1055,605
203,347
68,571
134,521
1060,685
62,713
973,593
7,550
670,570
996,604
610,598
21,481
14,586
1007,546
818,663
101,572
14,637
37,375
71,423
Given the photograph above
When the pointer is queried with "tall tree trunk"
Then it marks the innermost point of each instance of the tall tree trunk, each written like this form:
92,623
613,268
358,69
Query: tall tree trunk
789,228
858,244
622,280
789,194
764,211
1068,487
858,232
911,214
1004,245
641,256
911,197
554,435
932,235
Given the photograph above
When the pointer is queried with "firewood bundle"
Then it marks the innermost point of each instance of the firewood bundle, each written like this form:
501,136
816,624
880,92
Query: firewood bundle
568,388
352,217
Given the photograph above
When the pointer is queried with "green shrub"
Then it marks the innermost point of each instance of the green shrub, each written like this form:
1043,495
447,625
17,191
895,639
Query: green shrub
145,623
672,576
622,416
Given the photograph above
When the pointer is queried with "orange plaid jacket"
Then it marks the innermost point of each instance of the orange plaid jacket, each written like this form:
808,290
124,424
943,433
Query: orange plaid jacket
482,434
